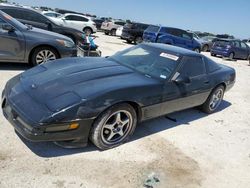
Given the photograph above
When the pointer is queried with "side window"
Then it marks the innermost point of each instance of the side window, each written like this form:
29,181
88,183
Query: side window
1,23
71,18
175,32
120,23
243,45
165,30
193,66
33,16
237,44
186,35
14,13
82,19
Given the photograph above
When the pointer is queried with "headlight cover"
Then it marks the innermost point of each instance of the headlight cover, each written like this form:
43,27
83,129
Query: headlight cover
66,43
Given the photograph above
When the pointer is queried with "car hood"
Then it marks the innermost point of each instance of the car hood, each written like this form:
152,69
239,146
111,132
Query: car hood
40,33
70,81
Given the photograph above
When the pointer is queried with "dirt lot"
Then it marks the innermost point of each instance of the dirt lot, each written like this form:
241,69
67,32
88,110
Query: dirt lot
196,151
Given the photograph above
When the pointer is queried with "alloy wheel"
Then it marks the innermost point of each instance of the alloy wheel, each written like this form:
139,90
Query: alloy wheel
117,127
216,99
44,56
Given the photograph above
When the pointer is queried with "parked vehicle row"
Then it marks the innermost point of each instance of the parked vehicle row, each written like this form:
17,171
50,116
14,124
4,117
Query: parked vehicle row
21,43
232,49
36,19
110,26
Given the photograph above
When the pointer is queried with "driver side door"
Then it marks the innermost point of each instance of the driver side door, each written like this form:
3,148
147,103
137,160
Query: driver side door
189,87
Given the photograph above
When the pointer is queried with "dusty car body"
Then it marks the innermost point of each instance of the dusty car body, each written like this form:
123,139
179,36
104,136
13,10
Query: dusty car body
71,99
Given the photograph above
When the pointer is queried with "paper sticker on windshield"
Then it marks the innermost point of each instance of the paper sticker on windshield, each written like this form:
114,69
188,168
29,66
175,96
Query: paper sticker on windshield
169,56
163,76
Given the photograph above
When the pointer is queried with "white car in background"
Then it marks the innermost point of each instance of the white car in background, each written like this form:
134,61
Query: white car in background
51,14
247,41
119,31
76,21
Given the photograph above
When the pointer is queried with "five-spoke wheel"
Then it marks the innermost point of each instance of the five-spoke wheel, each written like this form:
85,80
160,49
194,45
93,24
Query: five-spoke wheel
114,126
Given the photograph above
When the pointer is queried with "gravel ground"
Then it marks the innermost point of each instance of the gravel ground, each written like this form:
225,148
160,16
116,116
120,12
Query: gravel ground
196,151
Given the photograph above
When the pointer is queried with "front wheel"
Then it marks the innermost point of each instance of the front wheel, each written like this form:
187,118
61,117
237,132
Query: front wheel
114,126
138,40
231,56
214,100
43,55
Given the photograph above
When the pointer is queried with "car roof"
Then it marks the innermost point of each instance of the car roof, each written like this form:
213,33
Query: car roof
173,49
68,14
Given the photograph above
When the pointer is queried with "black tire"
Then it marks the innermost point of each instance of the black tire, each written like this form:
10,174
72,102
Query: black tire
87,31
106,33
213,55
113,32
231,56
138,40
207,107
35,53
205,48
129,41
99,130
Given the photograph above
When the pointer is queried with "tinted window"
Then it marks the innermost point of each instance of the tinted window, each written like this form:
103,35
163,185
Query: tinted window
243,45
1,23
237,44
193,66
175,32
15,13
164,30
211,65
186,35
76,18
153,29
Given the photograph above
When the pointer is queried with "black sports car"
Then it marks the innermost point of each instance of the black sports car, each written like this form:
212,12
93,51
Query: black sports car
102,99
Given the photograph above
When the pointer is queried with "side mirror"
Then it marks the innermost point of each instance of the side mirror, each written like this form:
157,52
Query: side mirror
182,80
8,27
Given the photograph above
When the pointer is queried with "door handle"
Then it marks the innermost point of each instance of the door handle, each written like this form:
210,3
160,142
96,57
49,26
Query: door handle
206,82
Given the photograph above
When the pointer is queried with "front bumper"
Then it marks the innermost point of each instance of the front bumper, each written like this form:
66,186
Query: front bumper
67,52
127,36
37,132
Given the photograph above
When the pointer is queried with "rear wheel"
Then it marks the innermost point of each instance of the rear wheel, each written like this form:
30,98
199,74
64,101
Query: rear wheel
114,126
213,55
205,48
43,55
138,40
214,100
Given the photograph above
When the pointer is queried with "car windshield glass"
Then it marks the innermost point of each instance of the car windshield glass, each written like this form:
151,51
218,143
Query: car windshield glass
148,61
14,21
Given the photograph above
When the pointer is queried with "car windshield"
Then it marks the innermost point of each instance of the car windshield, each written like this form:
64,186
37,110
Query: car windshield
147,60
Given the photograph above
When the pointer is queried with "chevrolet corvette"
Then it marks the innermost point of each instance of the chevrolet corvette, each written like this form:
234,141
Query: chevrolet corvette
74,100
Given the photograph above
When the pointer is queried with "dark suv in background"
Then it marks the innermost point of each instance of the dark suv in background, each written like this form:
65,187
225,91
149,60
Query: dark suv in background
171,36
133,32
32,17
232,49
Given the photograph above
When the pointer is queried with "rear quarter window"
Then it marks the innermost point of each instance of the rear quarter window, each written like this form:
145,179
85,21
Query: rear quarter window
192,66
211,65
